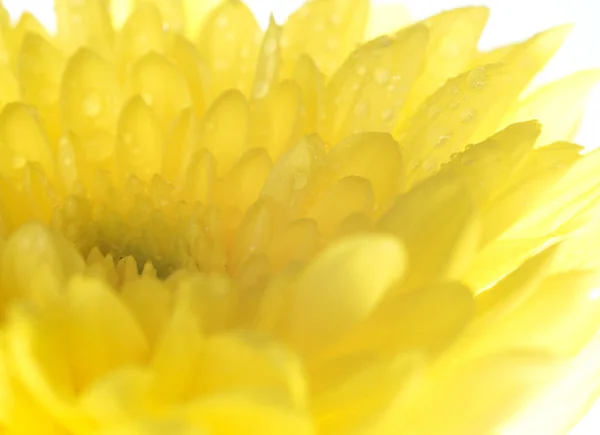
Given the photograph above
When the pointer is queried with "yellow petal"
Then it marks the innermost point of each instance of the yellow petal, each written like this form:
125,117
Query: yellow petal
247,414
150,303
22,140
294,170
176,355
386,19
311,81
470,107
453,37
267,72
140,145
426,320
142,33
161,86
101,334
348,196
195,14
561,316
495,387
229,42
336,281
18,260
201,177
486,167
369,89
172,13
531,192
89,95
118,396
353,401
84,24
183,135
9,87
225,143
327,29
516,287
571,93
297,243
278,122
373,156
40,70
438,222
246,361
256,231
37,349
246,179
187,58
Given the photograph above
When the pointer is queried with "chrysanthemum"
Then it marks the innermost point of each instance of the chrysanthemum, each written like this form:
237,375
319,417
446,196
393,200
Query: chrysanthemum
209,229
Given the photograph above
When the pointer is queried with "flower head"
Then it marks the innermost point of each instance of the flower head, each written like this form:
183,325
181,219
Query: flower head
209,228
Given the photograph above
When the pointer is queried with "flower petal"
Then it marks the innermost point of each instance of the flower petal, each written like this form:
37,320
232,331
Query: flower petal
453,37
367,92
470,107
230,42
327,29
438,222
337,281
84,24
571,93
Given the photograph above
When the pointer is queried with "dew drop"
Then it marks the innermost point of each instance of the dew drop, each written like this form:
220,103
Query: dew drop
434,112
442,140
92,105
428,165
467,116
382,76
387,115
299,180
477,78
454,104
319,26
361,70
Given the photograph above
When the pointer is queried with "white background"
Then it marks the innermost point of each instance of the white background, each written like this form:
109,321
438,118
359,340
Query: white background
510,21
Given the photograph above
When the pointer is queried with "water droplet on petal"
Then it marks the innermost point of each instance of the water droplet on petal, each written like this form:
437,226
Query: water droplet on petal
467,116
387,115
361,70
454,104
443,139
300,179
382,76
477,78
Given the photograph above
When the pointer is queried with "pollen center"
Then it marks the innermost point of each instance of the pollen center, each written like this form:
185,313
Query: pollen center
143,221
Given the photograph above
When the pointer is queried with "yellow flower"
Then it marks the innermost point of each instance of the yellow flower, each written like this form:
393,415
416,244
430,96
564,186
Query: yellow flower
208,229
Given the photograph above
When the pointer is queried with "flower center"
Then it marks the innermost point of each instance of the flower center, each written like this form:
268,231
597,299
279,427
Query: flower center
142,221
